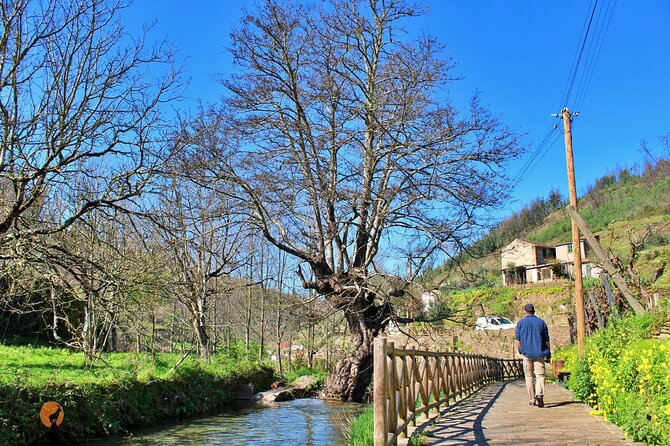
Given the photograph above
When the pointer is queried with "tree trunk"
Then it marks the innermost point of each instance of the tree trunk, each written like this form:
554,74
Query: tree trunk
262,323
198,321
87,328
153,333
365,319
247,324
352,374
310,344
278,334
201,337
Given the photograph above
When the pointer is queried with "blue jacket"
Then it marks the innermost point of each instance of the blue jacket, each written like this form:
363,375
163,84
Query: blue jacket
533,334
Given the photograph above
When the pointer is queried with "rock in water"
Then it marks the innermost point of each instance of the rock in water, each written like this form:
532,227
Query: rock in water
275,396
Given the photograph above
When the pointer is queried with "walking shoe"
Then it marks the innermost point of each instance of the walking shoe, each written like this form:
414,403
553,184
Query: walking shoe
531,403
539,400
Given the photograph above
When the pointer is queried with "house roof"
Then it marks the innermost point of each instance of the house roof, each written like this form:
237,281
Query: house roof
539,245
583,239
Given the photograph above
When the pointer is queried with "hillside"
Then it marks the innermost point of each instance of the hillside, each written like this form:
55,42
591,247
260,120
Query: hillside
629,211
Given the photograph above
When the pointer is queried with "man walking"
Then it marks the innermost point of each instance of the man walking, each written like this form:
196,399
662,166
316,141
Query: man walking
532,342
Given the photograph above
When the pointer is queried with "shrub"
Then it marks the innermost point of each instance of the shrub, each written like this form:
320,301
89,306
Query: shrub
657,239
626,376
319,374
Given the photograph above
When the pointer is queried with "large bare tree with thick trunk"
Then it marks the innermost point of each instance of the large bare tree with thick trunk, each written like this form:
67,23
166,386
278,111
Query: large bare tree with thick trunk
338,130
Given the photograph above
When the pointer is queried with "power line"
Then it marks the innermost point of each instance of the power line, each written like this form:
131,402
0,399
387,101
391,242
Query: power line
534,159
592,57
587,51
575,69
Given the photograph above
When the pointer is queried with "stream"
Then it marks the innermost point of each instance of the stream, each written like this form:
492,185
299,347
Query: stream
309,422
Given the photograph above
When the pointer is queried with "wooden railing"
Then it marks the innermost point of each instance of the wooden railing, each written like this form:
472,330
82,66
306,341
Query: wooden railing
410,386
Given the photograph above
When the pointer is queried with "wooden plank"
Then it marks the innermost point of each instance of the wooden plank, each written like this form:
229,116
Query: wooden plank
610,296
391,392
402,388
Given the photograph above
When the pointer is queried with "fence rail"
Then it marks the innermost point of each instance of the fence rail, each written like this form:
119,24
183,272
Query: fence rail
410,386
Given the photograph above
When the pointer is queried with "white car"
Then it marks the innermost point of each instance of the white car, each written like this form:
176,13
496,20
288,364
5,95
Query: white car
493,323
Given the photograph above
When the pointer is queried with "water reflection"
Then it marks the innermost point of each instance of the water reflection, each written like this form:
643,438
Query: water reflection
309,422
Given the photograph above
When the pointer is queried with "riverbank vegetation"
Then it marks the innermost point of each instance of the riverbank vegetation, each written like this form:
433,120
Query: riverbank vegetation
361,431
625,375
118,392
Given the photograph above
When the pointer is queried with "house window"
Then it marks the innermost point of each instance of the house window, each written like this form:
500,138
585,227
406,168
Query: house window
570,247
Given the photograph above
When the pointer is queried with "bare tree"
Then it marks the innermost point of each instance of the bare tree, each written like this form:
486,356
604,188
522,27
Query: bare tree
338,133
87,275
201,238
79,105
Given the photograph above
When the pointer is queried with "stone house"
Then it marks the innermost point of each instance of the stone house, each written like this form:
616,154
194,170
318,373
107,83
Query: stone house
526,262
523,261
565,255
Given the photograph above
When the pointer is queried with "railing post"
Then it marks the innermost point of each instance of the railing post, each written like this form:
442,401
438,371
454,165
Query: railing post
424,375
392,397
379,393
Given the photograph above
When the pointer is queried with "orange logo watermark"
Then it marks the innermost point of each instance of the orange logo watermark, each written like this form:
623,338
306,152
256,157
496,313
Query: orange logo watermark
51,414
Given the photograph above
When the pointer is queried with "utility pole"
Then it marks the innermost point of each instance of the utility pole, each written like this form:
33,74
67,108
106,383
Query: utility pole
576,248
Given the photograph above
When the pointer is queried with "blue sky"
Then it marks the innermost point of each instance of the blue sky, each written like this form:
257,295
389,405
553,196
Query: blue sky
519,55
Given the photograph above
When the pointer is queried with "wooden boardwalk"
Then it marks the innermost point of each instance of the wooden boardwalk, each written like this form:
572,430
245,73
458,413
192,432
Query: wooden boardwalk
499,414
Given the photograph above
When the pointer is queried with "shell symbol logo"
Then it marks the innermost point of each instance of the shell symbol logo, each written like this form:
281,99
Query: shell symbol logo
51,414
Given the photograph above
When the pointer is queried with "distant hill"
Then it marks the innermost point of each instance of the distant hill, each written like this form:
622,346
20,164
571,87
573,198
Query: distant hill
629,210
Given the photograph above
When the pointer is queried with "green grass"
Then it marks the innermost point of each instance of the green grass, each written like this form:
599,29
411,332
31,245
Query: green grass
38,366
361,432
500,301
111,395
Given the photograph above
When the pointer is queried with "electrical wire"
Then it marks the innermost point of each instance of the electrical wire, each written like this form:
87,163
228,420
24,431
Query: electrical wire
588,51
592,58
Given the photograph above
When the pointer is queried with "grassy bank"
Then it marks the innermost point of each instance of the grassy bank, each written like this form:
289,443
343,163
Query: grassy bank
116,393
361,432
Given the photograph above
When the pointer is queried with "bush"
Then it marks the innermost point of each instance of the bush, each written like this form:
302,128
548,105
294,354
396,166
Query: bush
626,376
319,374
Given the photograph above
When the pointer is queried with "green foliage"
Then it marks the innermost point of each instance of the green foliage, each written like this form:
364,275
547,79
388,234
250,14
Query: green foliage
581,382
560,230
439,309
236,348
657,239
361,432
591,283
499,301
128,391
629,197
626,376
543,290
